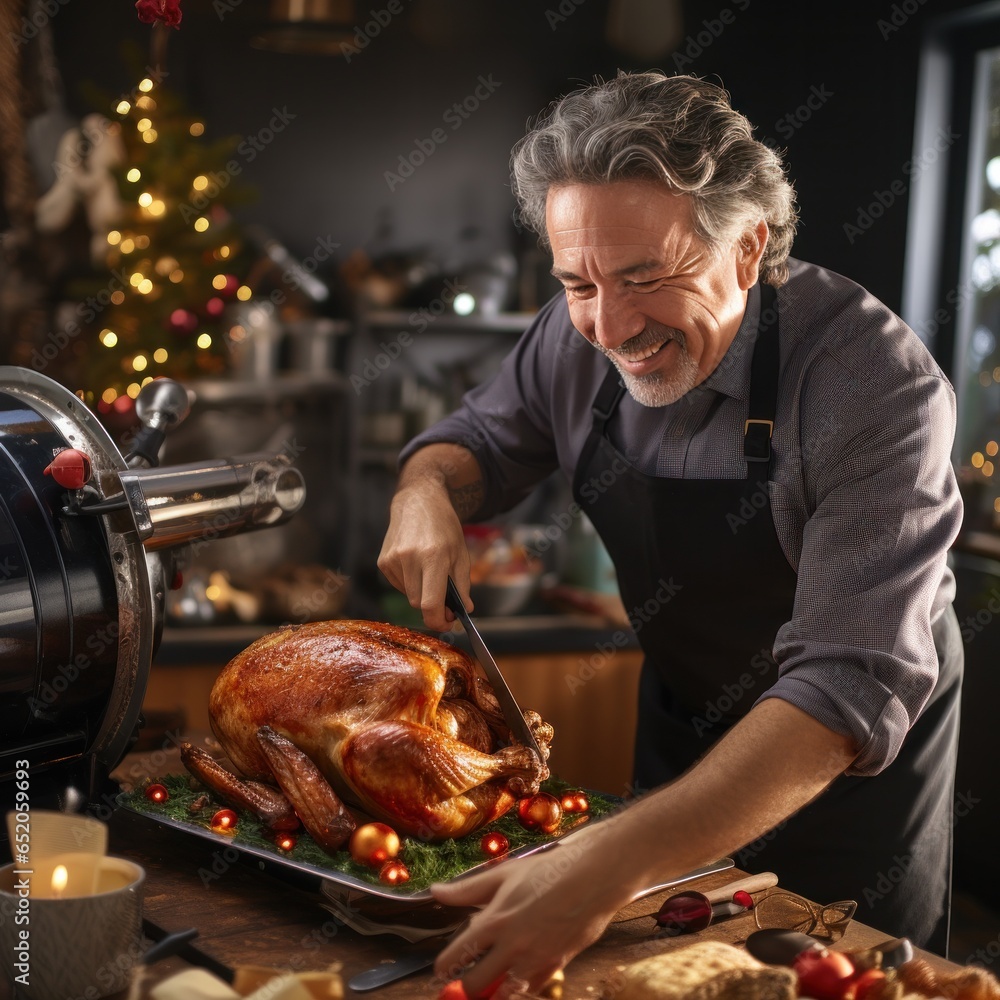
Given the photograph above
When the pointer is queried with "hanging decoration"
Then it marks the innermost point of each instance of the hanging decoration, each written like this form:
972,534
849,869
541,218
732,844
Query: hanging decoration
167,12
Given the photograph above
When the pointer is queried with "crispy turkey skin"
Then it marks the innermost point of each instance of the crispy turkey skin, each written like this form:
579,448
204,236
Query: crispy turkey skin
401,725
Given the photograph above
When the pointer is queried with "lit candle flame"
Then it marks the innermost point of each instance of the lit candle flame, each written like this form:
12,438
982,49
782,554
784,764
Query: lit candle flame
59,879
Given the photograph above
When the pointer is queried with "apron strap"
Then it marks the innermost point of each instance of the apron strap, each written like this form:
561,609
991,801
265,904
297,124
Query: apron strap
764,368
607,398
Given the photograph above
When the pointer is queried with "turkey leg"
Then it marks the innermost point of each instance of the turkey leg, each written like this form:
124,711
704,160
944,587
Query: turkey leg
431,782
268,804
317,804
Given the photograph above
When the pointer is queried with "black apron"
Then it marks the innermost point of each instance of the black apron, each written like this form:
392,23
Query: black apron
707,586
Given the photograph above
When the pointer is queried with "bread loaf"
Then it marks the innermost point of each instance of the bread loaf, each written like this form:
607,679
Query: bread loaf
705,970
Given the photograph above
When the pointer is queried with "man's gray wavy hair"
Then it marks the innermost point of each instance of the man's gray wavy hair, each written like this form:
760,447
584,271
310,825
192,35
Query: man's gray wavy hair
679,130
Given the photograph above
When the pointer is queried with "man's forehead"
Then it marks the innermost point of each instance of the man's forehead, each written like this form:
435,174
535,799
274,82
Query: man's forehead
620,237
621,214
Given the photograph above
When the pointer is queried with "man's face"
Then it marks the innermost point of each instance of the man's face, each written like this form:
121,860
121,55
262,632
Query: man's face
643,288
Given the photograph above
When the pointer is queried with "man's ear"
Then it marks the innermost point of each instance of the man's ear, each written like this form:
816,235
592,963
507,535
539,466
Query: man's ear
749,252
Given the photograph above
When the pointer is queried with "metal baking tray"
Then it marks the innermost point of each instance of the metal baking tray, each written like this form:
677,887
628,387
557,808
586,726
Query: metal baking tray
342,886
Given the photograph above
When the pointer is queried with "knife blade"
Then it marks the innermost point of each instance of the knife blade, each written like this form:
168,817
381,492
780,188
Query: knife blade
511,713
389,972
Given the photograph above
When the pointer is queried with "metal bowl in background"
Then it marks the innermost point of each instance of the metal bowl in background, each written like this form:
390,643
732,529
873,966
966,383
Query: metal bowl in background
504,595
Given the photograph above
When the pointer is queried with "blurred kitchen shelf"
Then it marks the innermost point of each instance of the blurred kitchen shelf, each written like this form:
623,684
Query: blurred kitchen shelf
448,322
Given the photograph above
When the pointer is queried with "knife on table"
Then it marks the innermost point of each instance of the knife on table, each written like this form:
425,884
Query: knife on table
511,713
406,965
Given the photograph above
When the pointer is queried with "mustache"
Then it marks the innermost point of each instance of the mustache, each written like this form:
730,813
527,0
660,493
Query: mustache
652,335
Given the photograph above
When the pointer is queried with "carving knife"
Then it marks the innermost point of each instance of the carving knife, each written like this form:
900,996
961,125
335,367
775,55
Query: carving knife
511,713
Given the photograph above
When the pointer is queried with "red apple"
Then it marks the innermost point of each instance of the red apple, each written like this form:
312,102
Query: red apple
868,982
823,974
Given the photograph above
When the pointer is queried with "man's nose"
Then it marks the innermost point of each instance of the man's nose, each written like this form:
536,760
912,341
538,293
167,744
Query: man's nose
616,321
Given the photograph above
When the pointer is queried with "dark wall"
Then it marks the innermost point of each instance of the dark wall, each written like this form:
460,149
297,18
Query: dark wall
323,176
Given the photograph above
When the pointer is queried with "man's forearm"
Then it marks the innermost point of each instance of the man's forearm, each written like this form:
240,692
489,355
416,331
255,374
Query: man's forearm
769,765
451,466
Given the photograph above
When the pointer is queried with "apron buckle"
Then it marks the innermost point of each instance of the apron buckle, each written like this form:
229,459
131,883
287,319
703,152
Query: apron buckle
757,442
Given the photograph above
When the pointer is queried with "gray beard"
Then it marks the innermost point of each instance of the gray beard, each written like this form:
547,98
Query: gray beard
658,388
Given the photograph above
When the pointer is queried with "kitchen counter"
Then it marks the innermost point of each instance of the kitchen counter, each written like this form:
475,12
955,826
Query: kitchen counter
536,633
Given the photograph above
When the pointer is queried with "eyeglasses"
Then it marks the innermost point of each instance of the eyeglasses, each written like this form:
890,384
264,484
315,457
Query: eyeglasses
789,912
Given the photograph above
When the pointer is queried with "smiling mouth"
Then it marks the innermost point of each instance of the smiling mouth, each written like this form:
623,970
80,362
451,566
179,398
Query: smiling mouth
647,352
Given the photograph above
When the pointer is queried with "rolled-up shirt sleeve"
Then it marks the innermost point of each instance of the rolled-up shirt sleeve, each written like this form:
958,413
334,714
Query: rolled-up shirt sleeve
882,510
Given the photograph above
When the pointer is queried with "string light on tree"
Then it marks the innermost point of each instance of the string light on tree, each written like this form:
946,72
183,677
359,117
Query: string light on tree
164,309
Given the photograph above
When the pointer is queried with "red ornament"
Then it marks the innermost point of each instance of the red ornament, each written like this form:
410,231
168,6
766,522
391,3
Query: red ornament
575,802
394,872
183,321
224,821
540,812
167,11
374,844
157,793
285,841
215,306
454,990
494,845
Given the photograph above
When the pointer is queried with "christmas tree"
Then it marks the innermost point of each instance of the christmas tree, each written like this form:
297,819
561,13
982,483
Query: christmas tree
176,258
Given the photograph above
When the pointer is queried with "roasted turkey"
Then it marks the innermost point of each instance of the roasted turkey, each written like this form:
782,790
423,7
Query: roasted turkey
396,724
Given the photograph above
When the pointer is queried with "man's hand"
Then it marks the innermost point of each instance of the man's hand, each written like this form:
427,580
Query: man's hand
540,911
424,545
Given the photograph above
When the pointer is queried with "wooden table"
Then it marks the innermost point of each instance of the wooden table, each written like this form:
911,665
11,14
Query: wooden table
247,917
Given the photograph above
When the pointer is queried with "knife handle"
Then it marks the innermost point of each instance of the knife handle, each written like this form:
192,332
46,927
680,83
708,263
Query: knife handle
453,599
753,883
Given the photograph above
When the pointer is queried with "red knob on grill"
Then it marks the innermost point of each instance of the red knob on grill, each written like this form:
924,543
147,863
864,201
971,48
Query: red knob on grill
70,468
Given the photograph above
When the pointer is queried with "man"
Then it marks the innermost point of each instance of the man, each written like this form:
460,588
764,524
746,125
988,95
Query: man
779,453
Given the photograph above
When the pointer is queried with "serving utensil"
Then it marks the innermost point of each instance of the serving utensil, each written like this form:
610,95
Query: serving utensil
511,713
